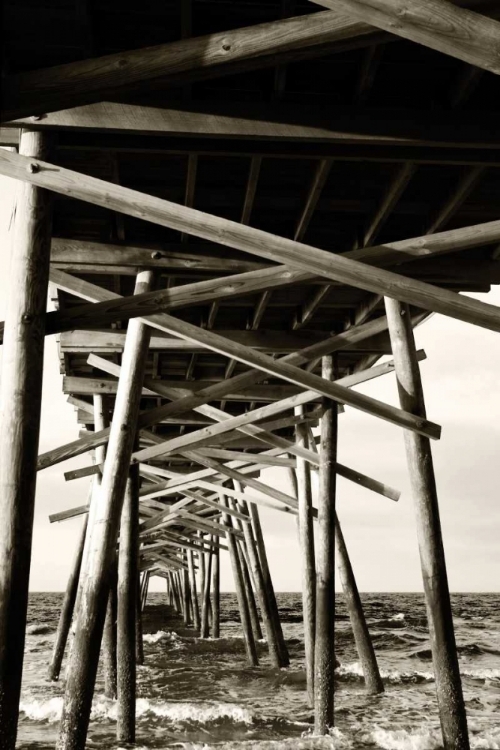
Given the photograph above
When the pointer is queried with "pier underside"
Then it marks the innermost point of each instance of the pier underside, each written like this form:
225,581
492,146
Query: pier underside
238,209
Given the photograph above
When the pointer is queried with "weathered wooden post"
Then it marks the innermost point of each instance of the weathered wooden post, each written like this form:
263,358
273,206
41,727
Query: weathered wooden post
126,623
139,644
268,584
205,605
260,589
247,587
437,595
20,398
109,636
324,653
306,541
95,586
240,591
194,593
145,590
360,631
67,609
215,589
186,596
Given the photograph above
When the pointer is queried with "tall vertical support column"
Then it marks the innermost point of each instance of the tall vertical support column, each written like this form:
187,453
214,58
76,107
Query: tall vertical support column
186,596
360,631
437,595
272,636
109,635
139,644
205,604
194,592
21,397
240,591
306,541
324,653
215,589
268,583
67,609
126,625
95,586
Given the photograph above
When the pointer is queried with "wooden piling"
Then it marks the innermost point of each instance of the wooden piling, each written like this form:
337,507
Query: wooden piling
145,590
306,541
186,594
109,637
139,644
248,589
240,591
194,593
324,652
67,609
126,615
364,646
272,637
95,587
20,398
268,584
215,590
432,558
205,605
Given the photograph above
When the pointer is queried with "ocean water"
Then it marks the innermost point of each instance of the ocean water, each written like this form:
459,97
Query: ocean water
194,694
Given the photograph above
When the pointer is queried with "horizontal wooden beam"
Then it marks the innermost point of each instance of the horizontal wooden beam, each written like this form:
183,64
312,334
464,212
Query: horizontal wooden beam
107,342
150,303
222,53
305,258
260,393
437,24
276,122
96,256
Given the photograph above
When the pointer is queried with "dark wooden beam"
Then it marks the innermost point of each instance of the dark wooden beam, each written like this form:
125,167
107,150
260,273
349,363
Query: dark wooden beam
185,61
437,24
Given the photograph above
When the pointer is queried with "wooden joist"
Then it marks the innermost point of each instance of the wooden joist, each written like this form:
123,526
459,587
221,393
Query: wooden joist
305,258
110,341
41,91
437,24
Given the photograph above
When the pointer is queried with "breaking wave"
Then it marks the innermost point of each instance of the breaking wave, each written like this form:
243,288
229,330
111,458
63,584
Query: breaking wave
176,712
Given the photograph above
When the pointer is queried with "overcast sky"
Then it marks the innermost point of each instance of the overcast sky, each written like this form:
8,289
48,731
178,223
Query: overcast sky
461,377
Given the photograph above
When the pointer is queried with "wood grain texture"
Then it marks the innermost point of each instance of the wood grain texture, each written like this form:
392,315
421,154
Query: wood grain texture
20,398
437,24
188,60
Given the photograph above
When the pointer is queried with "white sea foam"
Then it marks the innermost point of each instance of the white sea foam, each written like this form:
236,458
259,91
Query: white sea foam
103,708
399,616
155,637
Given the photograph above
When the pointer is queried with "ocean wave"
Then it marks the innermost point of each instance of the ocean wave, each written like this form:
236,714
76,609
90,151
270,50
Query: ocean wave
482,674
355,671
39,629
176,712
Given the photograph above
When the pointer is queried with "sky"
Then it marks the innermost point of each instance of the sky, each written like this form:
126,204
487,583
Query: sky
460,378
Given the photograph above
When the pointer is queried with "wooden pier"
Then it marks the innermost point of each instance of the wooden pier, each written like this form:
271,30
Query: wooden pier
236,208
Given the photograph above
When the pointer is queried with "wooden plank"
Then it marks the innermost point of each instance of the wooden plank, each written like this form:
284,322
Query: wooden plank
437,24
89,386
308,259
185,295
41,91
278,122
68,253
108,341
